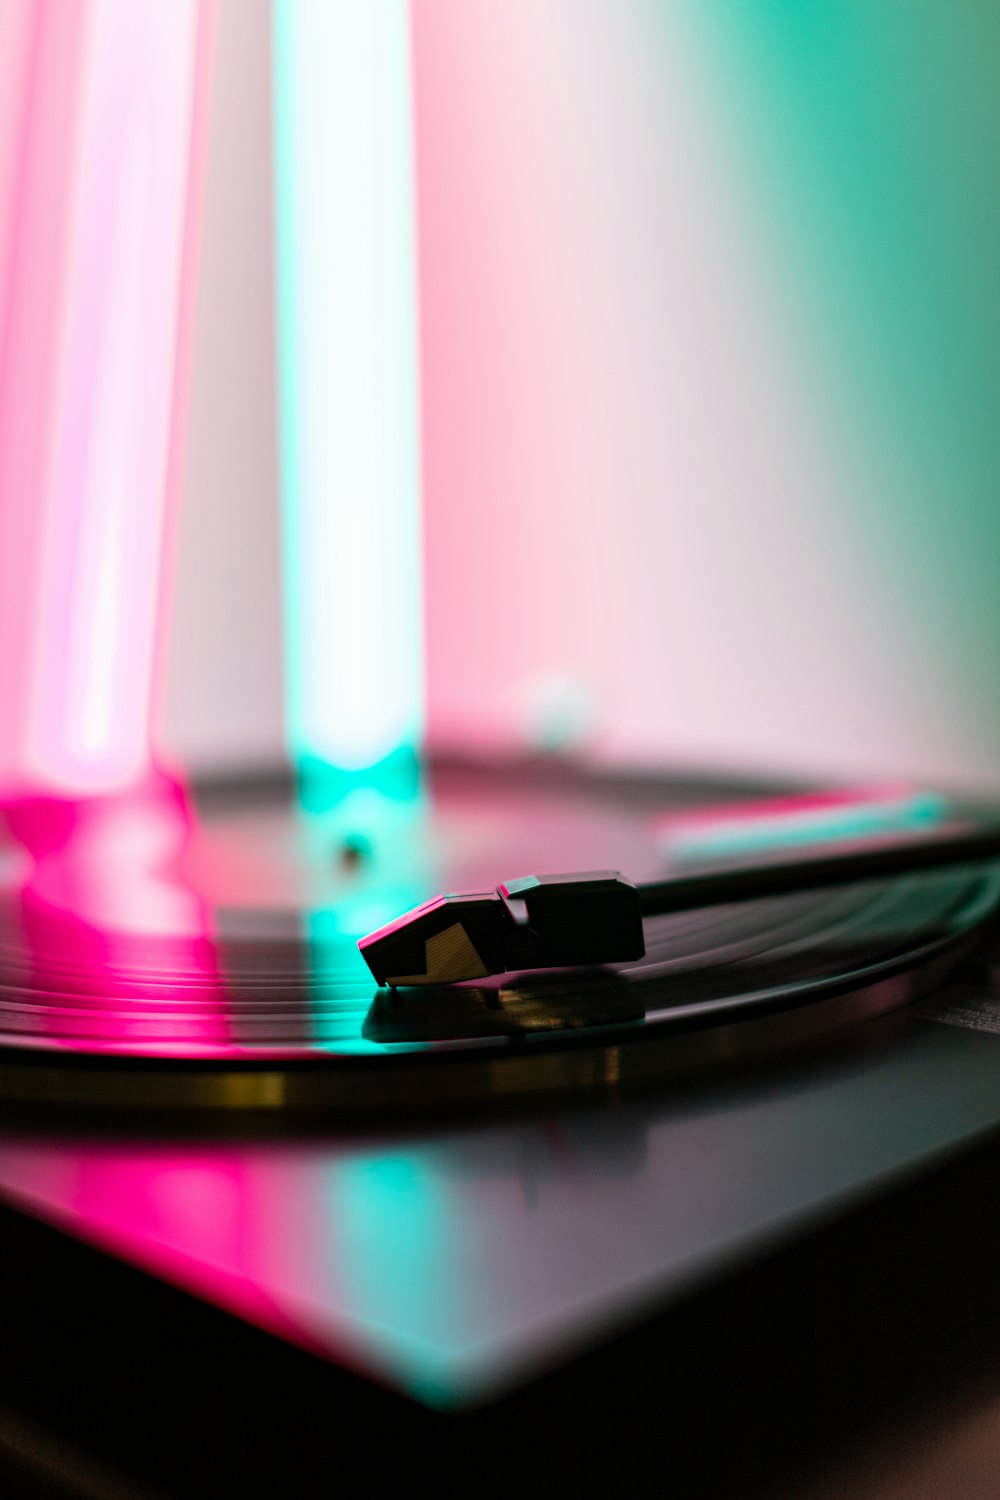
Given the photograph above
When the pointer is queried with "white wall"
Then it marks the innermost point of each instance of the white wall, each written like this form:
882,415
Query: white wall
632,478
224,687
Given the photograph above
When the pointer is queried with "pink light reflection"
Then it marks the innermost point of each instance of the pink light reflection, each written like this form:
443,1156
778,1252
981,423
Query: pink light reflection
193,1217
346,1252
104,945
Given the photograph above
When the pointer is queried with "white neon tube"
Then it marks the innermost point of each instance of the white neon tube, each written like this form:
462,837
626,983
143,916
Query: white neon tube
347,339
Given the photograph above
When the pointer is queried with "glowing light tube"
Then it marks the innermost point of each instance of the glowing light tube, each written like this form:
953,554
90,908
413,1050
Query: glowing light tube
101,137
347,348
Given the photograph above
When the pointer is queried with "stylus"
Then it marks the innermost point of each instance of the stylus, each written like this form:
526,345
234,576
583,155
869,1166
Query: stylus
596,917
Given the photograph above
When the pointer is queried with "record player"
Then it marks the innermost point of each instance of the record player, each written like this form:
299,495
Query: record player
379,379
272,1218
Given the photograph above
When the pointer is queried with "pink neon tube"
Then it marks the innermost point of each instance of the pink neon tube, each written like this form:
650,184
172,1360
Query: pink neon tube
103,108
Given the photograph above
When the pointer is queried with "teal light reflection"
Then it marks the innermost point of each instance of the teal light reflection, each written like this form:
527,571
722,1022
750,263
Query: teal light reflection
398,1250
350,474
766,834
388,837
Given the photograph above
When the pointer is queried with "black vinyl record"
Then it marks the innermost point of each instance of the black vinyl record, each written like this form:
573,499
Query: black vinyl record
201,954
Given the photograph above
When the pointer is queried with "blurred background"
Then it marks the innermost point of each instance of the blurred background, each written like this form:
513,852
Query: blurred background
620,376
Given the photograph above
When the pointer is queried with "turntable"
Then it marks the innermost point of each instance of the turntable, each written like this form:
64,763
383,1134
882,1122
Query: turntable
474,363
463,1220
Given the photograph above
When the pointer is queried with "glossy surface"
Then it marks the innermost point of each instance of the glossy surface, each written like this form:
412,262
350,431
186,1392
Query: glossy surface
455,1263
450,1260
185,938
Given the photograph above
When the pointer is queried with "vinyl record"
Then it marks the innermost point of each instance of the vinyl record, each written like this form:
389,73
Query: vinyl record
160,956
